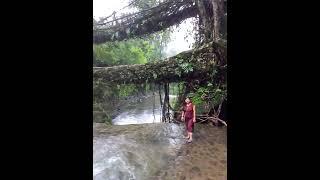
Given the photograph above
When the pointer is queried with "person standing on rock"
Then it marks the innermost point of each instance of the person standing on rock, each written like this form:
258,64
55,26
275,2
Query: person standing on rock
189,117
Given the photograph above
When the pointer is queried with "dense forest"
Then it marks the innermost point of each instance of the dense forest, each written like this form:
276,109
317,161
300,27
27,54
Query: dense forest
122,41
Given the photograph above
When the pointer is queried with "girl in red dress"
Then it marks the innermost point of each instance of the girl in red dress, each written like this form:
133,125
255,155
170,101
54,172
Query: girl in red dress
189,117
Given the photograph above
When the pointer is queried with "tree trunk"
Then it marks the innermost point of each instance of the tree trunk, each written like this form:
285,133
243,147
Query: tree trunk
203,60
211,14
218,13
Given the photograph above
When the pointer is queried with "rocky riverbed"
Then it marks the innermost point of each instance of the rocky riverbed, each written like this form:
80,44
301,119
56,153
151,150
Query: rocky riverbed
158,151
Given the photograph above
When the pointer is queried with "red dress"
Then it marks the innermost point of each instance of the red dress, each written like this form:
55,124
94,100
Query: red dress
188,114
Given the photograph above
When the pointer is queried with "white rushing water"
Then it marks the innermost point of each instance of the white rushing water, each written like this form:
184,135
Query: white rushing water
134,151
141,112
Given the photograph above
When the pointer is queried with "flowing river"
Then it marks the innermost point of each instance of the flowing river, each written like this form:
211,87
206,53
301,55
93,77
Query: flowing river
138,147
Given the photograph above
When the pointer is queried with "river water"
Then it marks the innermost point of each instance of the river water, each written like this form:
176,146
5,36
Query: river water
138,147
147,110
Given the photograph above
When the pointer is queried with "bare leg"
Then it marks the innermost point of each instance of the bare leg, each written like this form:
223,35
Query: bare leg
188,135
190,139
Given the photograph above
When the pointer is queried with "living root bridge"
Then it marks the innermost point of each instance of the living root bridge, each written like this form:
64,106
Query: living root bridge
144,22
202,60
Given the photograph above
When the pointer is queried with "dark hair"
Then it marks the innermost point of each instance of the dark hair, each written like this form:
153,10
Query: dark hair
188,97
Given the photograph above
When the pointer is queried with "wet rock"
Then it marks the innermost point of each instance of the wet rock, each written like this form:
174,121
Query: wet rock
223,161
195,170
149,153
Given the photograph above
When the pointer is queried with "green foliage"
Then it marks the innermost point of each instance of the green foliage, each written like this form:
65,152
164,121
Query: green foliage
134,51
183,67
174,88
210,94
126,90
106,119
102,91
197,97
186,67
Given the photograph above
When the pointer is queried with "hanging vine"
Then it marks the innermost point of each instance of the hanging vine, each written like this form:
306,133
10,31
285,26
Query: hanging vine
154,102
161,104
202,70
